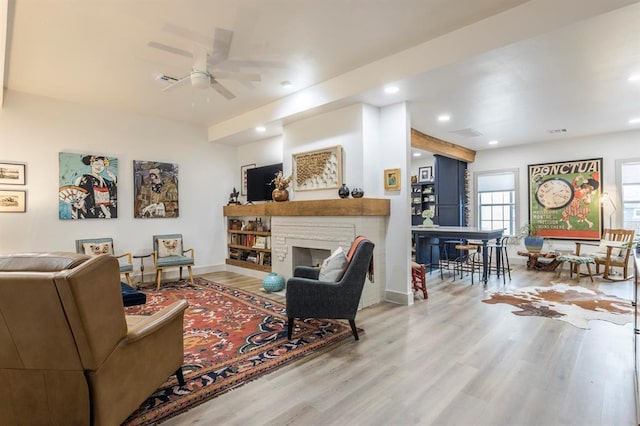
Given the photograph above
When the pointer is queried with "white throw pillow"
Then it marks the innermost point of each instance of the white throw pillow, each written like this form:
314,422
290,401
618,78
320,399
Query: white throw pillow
169,247
95,249
333,266
602,248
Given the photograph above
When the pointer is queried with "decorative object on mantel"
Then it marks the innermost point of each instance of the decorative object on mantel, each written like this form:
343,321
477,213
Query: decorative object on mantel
273,282
343,192
414,179
281,183
357,193
320,169
392,180
233,197
427,215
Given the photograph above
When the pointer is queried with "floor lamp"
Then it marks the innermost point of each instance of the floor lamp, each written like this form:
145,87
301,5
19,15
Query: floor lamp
604,199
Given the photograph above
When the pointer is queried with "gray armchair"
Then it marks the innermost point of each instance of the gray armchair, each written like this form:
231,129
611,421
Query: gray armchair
309,298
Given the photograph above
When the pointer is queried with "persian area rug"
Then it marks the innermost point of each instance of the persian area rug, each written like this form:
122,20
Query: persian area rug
230,338
573,304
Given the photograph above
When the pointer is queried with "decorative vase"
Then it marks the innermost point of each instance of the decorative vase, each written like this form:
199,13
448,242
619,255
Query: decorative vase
533,244
427,222
343,192
273,282
280,195
357,193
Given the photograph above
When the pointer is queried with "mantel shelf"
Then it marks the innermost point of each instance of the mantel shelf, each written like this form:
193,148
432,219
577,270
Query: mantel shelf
335,207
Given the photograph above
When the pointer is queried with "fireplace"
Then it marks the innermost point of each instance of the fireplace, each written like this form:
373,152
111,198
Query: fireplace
297,240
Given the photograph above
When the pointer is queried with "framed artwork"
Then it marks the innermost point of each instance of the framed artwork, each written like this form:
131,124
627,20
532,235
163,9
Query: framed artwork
88,186
155,189
12,174
243,174
13,201
564,199
320,169
425,174
392,180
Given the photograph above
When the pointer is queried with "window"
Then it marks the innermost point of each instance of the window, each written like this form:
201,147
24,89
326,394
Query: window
497,200
630,179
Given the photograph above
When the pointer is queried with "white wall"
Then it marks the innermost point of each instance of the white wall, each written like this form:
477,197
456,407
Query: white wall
34,129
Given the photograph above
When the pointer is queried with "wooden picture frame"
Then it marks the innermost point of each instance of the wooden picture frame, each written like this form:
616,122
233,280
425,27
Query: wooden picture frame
319,169
13,201
12,173
392,180
565,199
425,174
243,177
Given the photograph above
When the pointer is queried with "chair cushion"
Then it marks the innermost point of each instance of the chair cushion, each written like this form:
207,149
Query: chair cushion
175,261
169,247
602,248
333,266
95,249
126,267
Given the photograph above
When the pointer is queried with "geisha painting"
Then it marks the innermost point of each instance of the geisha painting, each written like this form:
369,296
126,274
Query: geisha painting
88,186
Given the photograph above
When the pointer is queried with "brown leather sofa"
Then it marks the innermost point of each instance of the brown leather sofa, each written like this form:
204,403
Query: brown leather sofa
68,353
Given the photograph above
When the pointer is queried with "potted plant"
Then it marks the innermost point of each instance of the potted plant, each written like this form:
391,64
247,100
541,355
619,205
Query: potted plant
427,215
532,242
280,184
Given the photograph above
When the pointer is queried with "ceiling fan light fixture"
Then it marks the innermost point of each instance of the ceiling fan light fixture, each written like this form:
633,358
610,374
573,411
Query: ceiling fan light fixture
200,79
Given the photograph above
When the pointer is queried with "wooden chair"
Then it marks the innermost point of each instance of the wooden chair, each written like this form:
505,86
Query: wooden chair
97,246
168,253
614,251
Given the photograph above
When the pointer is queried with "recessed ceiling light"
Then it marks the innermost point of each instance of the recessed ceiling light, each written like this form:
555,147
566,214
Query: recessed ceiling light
261,129
634,77
391,89
493,142
444,118
634,121
286,84
417,154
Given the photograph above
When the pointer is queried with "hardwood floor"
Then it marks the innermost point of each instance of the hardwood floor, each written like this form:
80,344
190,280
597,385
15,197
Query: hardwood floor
449,360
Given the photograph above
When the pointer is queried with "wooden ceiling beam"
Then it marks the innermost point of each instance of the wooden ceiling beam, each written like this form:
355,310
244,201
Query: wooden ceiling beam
428,143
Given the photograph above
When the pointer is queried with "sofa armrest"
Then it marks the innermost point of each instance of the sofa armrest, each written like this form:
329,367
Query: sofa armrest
150,324
306,272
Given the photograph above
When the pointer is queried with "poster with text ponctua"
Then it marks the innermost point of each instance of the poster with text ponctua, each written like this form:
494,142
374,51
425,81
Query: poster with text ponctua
564,199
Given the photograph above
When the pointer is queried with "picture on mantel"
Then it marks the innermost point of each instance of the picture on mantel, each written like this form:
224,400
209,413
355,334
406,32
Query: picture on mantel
320,169
155,186
88,186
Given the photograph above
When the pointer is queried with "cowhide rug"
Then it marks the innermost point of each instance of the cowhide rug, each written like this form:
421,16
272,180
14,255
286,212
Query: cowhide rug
573,304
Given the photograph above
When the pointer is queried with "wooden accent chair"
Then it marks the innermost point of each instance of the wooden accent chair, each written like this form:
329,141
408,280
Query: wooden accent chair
614,250
307,297
68,353
168,253
97,246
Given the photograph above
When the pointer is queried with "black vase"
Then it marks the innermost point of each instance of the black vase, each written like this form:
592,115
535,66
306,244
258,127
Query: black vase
357,193
343,192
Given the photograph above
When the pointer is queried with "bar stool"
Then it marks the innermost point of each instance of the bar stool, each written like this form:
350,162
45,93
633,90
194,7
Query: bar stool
469,261
418,279
505,267
445,261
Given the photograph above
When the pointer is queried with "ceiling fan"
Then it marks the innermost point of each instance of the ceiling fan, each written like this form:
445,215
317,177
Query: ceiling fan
202,75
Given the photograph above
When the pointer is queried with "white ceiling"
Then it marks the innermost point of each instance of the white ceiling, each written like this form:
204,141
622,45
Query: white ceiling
96,52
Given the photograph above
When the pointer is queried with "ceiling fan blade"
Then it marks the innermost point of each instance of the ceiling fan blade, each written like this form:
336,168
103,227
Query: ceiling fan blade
215,85
189,34
177,83
224,75
170,49
257,64
221,45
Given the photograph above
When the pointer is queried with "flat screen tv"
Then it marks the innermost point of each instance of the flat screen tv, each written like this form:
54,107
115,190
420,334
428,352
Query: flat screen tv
259,185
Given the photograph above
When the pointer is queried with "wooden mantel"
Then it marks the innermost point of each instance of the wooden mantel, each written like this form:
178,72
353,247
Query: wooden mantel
335,207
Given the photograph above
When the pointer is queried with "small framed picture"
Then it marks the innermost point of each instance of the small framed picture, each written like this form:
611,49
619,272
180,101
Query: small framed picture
425,174
13,201
392,180
12,174
243,174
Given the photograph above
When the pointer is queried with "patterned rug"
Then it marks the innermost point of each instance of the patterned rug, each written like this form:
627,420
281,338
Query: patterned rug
570,303
231,337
